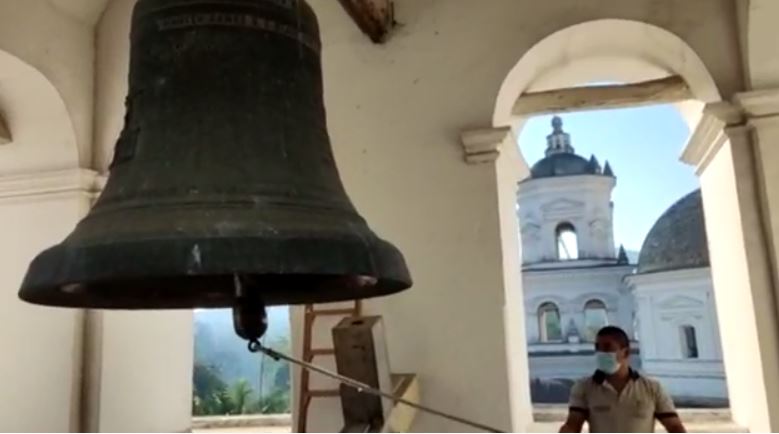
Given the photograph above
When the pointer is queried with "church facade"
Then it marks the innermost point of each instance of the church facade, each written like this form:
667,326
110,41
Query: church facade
575,282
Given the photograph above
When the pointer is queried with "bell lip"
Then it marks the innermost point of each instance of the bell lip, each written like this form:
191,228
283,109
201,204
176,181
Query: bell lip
61,267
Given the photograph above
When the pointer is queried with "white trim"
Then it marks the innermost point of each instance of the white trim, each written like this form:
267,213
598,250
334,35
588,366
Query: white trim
758,103
675,276
710,134
482,145
52,182
721,120
704,142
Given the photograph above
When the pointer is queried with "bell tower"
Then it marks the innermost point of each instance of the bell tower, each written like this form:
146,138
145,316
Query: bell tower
564,207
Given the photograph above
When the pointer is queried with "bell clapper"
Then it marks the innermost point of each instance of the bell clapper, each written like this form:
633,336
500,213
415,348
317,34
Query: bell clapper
250,319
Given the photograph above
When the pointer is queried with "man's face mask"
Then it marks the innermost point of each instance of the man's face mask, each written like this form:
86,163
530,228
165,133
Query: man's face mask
607,362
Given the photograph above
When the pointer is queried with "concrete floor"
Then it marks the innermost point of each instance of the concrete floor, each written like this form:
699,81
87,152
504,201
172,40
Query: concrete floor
549,419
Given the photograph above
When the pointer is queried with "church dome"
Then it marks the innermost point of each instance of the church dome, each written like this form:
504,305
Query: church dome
562,165
678,239
561,158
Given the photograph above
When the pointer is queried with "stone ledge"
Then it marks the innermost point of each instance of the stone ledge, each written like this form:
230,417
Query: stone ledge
48,182
211,422
482,145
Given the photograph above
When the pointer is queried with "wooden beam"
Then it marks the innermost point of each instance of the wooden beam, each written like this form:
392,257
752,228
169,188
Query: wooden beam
402,416
664,90
5,133
374,17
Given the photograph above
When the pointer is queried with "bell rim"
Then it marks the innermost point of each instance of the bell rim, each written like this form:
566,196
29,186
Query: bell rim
55,274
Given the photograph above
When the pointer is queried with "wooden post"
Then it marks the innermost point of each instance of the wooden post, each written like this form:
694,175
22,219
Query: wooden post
664,90
361,354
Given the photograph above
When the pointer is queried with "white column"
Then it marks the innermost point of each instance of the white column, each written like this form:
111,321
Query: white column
40,370
740,263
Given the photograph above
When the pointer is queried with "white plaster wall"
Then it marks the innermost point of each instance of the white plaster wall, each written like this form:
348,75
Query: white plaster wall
40,369
580,200
111,70
738,255
146,372
62,49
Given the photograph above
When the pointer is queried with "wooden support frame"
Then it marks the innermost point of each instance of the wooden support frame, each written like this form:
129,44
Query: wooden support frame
361,354
5,132
665,90
375,18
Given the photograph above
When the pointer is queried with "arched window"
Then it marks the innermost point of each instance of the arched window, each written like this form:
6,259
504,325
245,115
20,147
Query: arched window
549,326
567,242
689,342
595,318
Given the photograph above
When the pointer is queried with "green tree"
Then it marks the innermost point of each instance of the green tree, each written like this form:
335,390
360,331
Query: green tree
240,393
277,402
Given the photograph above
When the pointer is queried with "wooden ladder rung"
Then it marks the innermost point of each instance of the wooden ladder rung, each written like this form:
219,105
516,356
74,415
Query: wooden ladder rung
333,312
306,394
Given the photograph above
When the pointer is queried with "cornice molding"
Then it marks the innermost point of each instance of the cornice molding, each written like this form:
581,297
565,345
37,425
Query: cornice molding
723,120
482,145
51,182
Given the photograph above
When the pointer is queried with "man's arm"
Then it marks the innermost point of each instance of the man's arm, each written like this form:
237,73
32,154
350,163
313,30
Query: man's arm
671,422
665,411
578,410
575,421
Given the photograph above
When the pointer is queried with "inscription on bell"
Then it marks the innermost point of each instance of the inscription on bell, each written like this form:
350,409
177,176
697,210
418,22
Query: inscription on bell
225,19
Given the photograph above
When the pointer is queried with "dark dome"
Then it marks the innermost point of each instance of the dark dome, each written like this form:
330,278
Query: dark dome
678,238
562,164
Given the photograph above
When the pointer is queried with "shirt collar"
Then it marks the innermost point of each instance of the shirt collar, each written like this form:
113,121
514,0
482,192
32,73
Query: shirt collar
599,376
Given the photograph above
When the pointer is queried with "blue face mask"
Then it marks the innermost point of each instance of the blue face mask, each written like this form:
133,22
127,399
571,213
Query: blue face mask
607,362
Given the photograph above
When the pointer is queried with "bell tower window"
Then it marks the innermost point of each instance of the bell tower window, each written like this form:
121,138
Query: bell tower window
567,242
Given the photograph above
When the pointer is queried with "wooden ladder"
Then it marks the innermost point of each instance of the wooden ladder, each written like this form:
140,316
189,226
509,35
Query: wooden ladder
310,353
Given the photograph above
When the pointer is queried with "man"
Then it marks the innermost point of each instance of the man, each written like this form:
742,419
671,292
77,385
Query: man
616,398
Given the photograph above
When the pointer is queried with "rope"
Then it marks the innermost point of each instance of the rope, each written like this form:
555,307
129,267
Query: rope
256,346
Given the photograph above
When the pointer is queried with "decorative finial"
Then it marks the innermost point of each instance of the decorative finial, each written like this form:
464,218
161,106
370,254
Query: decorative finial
559,142
594,165
607,170
557,124
623,259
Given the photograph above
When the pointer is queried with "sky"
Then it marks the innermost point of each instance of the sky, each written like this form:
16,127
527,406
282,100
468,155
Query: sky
642,144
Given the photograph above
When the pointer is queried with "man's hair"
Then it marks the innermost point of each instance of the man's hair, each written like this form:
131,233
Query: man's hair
616,333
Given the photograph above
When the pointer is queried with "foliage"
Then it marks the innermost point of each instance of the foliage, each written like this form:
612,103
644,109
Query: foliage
228,379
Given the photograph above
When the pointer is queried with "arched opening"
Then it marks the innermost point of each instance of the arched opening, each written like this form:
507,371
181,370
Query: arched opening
567,242
27,101
549,326
587,53
689,342
595,318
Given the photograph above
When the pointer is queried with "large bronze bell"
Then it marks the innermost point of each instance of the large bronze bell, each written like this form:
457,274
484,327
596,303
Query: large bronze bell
223,189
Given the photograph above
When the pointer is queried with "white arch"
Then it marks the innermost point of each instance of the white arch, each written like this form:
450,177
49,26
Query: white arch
589,52
43,136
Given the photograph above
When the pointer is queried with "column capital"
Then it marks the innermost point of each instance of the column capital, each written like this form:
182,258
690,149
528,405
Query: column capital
730,120
482,145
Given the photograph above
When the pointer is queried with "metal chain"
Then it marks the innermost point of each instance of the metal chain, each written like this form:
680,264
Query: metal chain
257,347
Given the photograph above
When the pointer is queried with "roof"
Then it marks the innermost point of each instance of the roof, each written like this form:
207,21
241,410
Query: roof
678,239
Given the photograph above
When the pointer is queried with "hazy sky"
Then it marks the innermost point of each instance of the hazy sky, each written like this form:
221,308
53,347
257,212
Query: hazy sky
643,146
